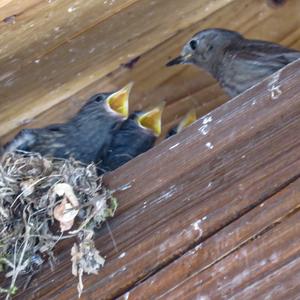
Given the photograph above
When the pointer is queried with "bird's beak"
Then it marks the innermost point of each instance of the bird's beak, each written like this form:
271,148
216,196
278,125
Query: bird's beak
182,59
118,101
152,119
189,118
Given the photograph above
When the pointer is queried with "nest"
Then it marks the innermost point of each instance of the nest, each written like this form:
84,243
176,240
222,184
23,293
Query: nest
43,201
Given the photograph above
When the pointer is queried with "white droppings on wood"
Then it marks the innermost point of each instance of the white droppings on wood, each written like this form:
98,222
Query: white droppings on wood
263,262
126,296
174,146
198,247
204,129
92,50
167,194
71,9
238,279
209,145
274,87
196,227
122,255
202,297
274,257
207,120
6,75
37,61
109,2
125,186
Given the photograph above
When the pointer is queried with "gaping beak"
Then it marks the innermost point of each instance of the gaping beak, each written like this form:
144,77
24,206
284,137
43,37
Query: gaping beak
152,119
182,59
118,101
189,118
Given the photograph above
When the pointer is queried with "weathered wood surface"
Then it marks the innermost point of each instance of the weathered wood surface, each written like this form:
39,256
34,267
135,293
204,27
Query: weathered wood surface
57,53
208,213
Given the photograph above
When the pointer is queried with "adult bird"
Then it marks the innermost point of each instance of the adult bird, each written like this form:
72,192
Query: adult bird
85,136
235,62
135,135
187,120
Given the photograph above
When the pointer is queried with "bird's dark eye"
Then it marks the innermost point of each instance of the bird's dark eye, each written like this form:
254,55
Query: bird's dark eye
97,98
193,44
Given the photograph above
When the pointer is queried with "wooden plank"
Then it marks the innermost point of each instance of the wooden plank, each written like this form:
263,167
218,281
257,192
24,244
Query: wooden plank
233,274
215,171
72,66
40,27
175,280
55,79
283,283
14,8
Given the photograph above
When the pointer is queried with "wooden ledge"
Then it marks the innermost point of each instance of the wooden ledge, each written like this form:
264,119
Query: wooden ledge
211,212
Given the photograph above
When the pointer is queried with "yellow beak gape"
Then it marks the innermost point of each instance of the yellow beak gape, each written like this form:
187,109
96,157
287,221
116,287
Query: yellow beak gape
118,101
152,119
189,118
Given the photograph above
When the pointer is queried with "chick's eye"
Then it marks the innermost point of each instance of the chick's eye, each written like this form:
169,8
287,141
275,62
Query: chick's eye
193,44
98,98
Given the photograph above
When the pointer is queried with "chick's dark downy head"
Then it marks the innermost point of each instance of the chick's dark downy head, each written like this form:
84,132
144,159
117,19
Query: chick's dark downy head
136,135
84,136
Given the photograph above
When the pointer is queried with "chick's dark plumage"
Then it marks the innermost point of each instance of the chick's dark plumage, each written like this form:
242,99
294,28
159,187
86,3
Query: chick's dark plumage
136,135
237,63
129,141
84,137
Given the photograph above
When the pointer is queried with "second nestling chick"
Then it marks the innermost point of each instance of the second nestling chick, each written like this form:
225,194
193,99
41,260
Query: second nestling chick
188,119
136,135
85,136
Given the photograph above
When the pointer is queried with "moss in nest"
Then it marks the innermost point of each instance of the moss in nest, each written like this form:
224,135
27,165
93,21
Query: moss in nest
36,195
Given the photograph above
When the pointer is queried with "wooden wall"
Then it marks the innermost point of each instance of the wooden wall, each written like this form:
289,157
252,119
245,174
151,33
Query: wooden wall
54,54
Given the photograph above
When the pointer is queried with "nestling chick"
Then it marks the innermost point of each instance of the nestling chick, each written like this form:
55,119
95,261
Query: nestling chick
85,136
136,135
188,119
237,63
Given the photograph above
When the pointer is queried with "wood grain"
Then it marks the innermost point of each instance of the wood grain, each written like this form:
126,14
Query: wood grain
234,275
184,191
233,241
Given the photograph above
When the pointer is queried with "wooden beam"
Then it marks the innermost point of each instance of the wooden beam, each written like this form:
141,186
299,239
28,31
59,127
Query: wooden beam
184,191
235,244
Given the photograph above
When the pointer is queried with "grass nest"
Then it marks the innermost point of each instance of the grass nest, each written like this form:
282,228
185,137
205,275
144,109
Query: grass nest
44,201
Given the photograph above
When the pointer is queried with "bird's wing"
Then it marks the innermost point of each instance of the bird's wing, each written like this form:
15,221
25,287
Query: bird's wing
35,139
22,141
247,64
265,54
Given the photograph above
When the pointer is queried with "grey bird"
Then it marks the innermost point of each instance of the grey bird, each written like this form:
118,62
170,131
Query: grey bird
187,120
235,62
85,136
136,135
